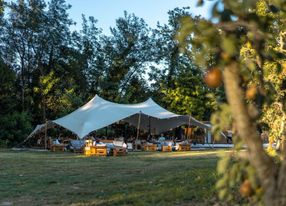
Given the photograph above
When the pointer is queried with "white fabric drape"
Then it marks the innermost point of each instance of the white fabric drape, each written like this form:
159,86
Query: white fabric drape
99,113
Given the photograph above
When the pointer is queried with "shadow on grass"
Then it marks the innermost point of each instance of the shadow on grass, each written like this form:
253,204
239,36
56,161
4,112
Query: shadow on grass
177,178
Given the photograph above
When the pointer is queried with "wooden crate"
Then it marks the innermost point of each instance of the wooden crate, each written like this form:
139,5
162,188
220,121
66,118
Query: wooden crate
87,151
184,147
101,151
88,143
58,147
119,151
93,150
152,147
167,148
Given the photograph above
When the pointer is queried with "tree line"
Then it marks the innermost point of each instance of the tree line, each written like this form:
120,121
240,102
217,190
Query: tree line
47,70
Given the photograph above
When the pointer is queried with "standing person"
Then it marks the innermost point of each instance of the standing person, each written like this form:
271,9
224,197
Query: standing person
179,133
229,136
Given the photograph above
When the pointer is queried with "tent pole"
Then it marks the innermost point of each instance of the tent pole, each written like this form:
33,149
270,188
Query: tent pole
149,126
46,128
138,126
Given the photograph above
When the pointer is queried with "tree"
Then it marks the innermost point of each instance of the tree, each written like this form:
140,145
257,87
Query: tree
23,25
92,57
7,90
37,41
14,125
189,93
168,51
177,81
261,26
127,54
59,97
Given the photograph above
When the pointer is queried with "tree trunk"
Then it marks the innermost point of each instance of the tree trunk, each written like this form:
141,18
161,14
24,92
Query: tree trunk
273,183
22,76
44,110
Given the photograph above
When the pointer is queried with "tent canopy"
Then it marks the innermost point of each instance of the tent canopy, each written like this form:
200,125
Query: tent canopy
99,113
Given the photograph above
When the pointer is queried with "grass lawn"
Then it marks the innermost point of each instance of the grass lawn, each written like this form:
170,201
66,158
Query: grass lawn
140,178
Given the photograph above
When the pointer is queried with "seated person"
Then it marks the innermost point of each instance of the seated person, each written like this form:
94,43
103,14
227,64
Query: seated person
130,146
161,138
39,141
76,145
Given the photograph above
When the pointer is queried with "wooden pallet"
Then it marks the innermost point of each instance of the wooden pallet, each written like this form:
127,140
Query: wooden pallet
101,151
87,151
119,151
167,148
152,147
93,150
184,147
58,147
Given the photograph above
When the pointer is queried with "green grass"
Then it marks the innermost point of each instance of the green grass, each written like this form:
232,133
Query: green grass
141,178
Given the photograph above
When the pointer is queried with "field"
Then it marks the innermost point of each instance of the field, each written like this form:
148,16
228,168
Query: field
140,178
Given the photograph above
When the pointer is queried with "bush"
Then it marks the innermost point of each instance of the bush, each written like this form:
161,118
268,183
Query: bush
14,128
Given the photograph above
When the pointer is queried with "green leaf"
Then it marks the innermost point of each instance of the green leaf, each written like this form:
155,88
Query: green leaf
229,45
222,165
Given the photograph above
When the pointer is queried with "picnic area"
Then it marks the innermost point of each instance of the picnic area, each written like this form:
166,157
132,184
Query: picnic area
148,102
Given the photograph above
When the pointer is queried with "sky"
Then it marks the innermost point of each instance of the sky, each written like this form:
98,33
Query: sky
152,11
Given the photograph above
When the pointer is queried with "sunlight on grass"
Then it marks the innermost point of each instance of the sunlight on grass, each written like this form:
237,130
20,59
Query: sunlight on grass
140,178
187,154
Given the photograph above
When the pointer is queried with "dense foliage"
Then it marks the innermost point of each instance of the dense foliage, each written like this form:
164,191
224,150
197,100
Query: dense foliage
245,43
48,70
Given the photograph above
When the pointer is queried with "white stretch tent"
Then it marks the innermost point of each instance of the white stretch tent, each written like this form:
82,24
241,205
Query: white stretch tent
99,113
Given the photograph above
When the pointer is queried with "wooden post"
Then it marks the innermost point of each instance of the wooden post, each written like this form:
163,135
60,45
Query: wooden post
149,125
189,125
138,126
46,128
